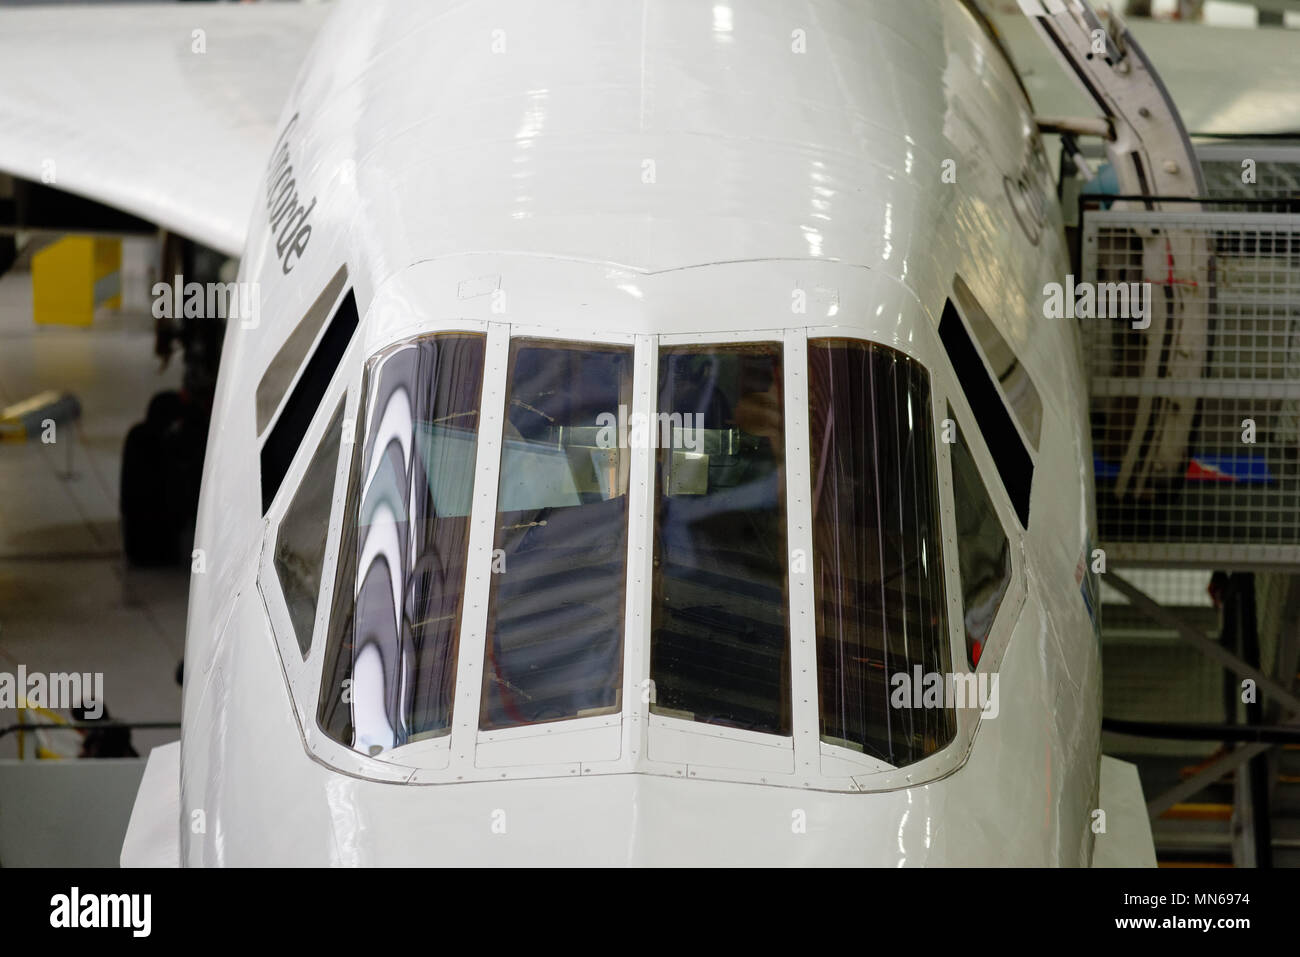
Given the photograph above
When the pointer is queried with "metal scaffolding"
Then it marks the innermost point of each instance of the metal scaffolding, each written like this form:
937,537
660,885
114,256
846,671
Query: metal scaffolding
1195,413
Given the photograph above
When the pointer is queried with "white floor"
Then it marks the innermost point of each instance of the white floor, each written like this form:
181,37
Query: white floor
67,600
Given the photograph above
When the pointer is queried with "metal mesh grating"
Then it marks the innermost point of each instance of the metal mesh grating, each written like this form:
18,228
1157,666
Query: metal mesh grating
1160,681
1275,170
1179,480
1182,588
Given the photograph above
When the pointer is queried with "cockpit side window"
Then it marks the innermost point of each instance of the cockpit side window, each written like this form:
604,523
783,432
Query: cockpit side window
1019,389
390,668
300,541
719,647
881,621
275,381
555,619
983,549
282,441
1011,456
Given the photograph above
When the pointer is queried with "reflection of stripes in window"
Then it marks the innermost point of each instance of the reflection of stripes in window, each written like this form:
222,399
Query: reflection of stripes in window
390,667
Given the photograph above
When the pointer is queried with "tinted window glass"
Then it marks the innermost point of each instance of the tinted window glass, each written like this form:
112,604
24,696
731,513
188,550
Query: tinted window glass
555,621
1020,391
878,574
282,441
390,670
1010,457
983,551
300,542
288,360
719,648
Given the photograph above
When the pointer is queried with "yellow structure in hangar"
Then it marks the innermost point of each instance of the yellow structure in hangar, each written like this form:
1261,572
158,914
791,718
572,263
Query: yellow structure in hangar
73,276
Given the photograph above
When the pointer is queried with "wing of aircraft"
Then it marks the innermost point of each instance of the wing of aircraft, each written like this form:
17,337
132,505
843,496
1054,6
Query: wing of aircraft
164,111
1126,841
1260,95
152,836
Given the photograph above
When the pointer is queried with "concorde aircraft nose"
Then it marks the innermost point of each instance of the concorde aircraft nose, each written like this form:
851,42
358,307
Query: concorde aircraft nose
633,820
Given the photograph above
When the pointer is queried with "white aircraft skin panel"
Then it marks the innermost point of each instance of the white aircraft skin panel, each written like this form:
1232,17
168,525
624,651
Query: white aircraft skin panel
443,172
456,153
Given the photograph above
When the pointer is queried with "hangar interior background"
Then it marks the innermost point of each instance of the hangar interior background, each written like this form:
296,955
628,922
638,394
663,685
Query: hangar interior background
1201,589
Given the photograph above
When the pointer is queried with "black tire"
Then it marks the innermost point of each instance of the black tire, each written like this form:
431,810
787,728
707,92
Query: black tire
148,534
8,253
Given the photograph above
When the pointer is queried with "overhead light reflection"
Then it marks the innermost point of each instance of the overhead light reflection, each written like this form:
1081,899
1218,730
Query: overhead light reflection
722,24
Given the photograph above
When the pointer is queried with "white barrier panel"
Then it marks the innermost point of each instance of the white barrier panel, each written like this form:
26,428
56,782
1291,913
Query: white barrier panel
66,813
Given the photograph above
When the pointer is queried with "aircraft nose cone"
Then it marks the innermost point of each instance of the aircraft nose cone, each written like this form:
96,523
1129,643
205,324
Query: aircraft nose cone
620,820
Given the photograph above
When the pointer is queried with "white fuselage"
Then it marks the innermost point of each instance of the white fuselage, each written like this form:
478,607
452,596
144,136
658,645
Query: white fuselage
643,174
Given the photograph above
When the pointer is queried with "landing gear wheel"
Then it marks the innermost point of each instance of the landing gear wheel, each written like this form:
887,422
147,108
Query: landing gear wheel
149,537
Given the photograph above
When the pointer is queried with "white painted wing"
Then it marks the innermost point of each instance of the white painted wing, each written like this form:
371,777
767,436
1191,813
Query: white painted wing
115,105
1126,841
153,834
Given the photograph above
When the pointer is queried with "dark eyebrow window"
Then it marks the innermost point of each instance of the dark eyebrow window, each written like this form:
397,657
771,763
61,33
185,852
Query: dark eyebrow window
1019,389
1014,464
288,360
286,435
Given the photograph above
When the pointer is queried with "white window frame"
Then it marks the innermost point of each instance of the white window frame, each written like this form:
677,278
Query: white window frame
676,746
634,740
